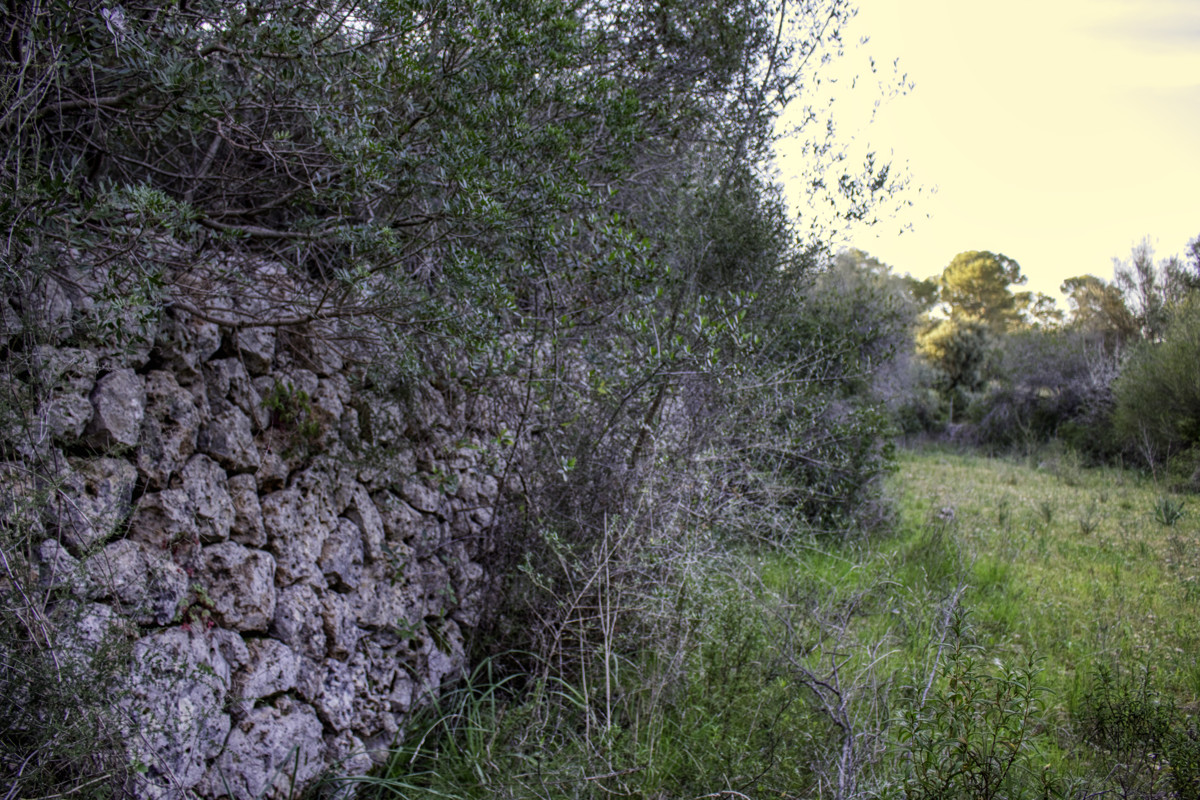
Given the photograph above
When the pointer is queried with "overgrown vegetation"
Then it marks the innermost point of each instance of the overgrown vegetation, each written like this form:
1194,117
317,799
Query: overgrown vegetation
569,207
980,648
566,206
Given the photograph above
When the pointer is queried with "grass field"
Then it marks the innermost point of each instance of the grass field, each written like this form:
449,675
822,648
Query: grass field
1083,567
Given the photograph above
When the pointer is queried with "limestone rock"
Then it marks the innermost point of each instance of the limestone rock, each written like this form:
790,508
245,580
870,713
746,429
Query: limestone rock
91,502
341,557
165,520
256,348
360,509
349,755
227,379
185,342
272,750
421,497
119,403
401,522
272,472
341,629
296,625
247,527
56,567
335,703
49,308
270,669
169,429
70,375
175,712
384,604
227,438
232,647
240,582
297,521
147,584
208,491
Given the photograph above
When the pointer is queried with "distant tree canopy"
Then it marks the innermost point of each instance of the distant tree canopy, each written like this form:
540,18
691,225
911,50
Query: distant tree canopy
1099,308
1117,374
976,286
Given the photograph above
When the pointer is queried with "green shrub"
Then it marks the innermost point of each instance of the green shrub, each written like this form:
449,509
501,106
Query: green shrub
976,735
1157,395
1150,745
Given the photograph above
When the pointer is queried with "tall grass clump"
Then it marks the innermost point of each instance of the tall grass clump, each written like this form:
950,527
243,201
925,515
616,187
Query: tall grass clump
62,661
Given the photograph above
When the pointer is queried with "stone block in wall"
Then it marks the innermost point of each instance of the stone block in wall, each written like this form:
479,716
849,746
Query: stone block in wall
91,501
327,400
444,656
231,646
170,426
118,403
341,558
299,379
350,755
70,375
228,438
358,507
57,569
272,473
384,602
340,619
314,351
208,490
92,626
47,306
432,587
241,585
184,342
340,689
417,494
10,323
270,669
165,520
256,348
247,527
273,749
296,622
175,712
297,524
227,379
144,581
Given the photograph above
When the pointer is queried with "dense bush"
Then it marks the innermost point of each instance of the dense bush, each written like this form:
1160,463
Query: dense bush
1050,384
1157,396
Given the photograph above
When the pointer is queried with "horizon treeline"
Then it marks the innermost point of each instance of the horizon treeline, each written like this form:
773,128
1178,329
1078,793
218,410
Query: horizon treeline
1114,377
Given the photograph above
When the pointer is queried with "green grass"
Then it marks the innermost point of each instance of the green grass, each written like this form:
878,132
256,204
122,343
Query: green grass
1094,573
1068,563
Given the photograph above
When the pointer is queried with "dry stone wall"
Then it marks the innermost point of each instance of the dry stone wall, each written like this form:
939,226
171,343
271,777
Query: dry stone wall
296,558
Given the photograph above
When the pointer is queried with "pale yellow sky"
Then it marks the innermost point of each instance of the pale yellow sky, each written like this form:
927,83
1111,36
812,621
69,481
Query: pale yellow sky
1057,132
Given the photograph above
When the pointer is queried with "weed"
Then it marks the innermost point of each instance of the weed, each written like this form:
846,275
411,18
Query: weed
1150,744
1045,510
291,411
1004,511
976,735
1089,520
1168,510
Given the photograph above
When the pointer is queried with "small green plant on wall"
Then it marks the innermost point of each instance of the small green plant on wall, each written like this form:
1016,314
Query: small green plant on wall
292,412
